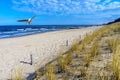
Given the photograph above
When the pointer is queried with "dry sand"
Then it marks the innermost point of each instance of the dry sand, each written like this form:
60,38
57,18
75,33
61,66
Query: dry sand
15,52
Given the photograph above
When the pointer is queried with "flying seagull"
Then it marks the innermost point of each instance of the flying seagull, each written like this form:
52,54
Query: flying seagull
28,21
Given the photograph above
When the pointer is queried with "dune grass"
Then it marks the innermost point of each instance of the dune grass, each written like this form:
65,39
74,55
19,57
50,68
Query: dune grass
94,39
18,74
87,59
88,49
61,63
113,43
64,61
115,65
94,49
37,74
49,72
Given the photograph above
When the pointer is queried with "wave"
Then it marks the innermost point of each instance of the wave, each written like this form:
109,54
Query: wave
16,31
23,32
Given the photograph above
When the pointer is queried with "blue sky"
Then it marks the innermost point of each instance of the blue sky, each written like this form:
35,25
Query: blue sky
59,11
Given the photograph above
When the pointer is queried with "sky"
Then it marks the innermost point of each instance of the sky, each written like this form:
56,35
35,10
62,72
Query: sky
59,12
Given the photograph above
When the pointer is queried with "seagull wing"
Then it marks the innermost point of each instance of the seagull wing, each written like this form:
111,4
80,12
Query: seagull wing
33,17
25,20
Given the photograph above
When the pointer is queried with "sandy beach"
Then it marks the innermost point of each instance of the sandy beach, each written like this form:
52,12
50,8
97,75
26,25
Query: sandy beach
17,53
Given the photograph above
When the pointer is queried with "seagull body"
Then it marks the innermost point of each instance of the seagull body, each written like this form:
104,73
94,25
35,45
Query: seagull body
28,21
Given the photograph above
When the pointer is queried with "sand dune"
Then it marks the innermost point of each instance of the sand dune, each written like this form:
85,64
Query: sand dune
15,53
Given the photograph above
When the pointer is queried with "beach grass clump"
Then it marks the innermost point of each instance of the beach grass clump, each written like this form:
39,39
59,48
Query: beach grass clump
94,49
18,74
74,47
97,34
113,43
115,27
82,46
79,49
115,65
94,35
87,39
87,59
68,58
76,50
49,72
105,31
64,61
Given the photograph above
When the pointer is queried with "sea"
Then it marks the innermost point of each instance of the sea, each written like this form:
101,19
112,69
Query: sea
10,31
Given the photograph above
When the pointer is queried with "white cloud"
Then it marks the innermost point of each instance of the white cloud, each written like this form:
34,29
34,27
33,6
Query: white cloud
64,6
93,0
114,5
107,1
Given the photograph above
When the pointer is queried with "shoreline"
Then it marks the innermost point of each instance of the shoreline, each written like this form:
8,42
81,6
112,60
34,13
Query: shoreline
19,34
15,52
